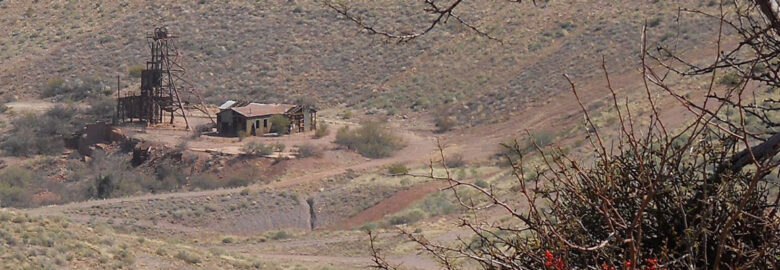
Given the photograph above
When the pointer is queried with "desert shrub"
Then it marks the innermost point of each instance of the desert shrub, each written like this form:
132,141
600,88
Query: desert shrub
33,134
481,183
228,240
238,181
101,109
730,79
444,123
438,204
279,147
279,235
257,149
346,114
372,139
454,161
135,71
409,217
205,181
242,134
322,130
506,149
17,185
397,168
200,129
280,124
310,150
188,257
369,226
245,192
76,90
52,86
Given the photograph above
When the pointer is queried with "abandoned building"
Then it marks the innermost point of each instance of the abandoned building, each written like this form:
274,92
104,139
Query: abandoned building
255,118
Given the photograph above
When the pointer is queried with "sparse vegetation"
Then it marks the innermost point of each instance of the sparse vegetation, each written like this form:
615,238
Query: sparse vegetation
397,169
730,79
409,217
279,235
44,134
454,161
76,90
280,124
135,71
188,257
372,139
254,148
347,114
310,150
444,123
322,130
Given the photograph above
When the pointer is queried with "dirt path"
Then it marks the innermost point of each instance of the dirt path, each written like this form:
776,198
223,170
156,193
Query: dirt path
395,203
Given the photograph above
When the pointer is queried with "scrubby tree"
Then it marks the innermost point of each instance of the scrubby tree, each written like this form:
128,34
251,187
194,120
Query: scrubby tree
700,196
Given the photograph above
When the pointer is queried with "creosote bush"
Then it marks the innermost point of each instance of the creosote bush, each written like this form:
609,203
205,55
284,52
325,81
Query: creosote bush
444,123
397,169
280,124
310,150
254,148
372,139
322,130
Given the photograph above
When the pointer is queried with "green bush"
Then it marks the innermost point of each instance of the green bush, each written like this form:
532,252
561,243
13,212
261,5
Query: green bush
279,235
454,161
444,123
481,183
135,71
371,139
76,90
32,134
17,185
438,204
279,147
730,79
407,218
257,149
322,130
188,257
280,124
397,169
346,114
310,150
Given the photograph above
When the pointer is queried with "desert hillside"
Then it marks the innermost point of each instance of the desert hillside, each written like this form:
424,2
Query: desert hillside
279,51
433,140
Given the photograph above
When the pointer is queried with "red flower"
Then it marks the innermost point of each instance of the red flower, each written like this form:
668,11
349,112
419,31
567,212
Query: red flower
652,263
548,261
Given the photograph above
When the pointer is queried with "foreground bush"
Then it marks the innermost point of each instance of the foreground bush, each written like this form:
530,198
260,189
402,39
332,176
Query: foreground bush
371,139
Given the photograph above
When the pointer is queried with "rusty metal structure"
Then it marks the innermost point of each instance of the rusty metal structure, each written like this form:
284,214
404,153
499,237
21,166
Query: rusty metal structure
164,91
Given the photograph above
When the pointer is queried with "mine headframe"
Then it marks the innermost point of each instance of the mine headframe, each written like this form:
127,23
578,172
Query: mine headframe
158,94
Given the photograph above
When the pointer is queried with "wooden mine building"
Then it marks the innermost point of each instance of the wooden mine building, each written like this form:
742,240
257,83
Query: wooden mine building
255,118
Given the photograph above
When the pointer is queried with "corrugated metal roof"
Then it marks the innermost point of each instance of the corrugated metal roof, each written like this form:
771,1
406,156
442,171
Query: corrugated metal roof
257,109
227,105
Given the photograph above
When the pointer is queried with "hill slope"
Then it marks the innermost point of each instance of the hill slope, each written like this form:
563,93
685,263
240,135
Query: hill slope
278,51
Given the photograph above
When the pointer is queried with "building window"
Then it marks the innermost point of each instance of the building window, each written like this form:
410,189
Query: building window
265,123
257,123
